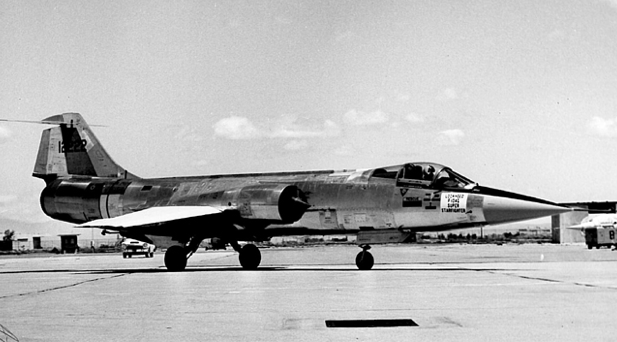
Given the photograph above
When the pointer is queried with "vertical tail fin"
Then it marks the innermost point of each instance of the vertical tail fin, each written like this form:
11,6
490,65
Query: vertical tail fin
72,149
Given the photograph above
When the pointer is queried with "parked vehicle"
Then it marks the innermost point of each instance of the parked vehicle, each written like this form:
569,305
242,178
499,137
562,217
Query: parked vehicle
131,247
600,237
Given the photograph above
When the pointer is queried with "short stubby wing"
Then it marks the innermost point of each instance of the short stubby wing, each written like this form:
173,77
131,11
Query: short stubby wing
151,216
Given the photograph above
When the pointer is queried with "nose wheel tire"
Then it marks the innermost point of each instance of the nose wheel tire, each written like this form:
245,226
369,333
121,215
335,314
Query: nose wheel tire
175,258
250,257
364,260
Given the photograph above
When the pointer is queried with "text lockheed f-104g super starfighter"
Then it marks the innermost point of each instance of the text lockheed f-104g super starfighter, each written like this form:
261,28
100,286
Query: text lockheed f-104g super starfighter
381,205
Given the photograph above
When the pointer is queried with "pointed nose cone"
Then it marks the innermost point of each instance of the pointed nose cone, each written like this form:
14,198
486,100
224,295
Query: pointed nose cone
587,225
503,206
503,209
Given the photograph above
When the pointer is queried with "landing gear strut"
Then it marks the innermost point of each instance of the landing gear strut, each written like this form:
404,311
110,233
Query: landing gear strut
177,256
249,257
364,259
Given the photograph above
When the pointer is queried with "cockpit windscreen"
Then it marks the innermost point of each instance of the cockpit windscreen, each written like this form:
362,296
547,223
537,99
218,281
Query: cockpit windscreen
428,175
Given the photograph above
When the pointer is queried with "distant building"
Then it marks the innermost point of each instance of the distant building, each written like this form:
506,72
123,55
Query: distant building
27,242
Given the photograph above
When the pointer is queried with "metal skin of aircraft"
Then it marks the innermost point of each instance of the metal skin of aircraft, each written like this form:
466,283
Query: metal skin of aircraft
382,205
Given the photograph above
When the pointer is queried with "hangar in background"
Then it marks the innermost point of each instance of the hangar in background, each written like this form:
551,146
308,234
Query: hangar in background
561,222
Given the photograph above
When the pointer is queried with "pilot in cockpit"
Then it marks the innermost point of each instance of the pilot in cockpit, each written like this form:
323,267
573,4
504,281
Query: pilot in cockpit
412,171
428,173
447,180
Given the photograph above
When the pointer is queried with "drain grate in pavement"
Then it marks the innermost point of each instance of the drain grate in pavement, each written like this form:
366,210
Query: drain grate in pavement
370,323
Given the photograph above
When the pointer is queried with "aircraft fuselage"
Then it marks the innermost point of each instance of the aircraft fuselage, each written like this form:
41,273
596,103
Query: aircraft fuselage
341,202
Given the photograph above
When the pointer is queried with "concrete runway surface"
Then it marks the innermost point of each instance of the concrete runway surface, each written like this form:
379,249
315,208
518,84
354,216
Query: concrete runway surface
452,292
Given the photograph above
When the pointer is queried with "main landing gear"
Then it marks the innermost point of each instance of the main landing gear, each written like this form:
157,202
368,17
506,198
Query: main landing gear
364,259
249,257
176,256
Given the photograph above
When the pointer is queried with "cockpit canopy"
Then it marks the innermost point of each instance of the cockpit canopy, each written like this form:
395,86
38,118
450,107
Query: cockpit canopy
425,175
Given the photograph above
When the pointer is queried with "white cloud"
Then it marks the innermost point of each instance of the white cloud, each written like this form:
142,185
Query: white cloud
234,23
358,118
331,128
236,127
448,94
190,134
294,131
403,97
283,21
341,36
612,3
556,34
5,134
603,127
414,118
296,145
451,137
345,150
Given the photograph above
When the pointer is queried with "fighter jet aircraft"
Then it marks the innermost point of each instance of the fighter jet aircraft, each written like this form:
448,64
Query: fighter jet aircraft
599,221
381,205
599,231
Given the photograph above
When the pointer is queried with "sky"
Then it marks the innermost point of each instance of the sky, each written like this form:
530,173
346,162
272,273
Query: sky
517,95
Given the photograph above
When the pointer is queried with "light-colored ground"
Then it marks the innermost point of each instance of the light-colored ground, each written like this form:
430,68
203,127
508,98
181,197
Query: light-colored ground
453,293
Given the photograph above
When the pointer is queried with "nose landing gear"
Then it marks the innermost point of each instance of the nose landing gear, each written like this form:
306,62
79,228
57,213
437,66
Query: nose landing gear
250,257
364,259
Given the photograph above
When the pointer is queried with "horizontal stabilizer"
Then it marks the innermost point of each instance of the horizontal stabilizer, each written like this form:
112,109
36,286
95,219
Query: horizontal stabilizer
151,216
43,122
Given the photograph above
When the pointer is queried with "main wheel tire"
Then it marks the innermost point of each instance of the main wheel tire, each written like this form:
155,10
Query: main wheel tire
175,259
364,260
250,257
